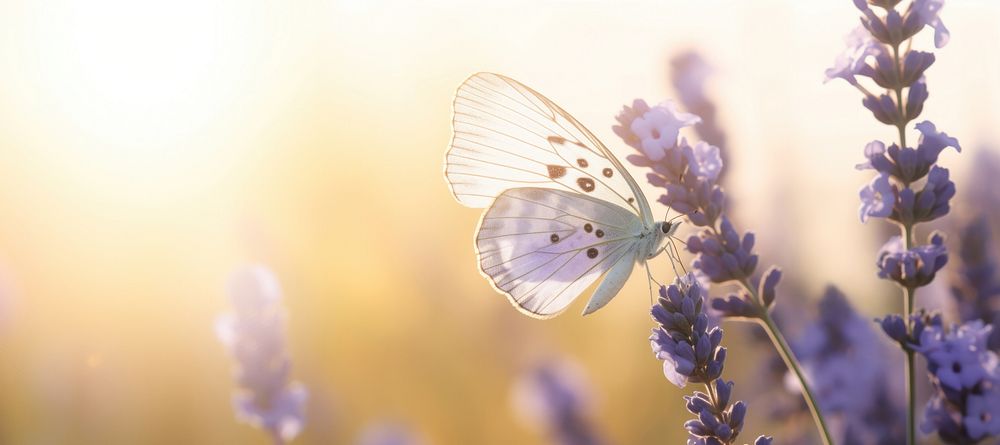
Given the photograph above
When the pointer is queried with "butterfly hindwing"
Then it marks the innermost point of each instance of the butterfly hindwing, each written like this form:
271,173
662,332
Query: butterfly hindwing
543,247
506,135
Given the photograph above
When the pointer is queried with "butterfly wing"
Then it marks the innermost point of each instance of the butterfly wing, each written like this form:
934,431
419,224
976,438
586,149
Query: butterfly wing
507,135
543,247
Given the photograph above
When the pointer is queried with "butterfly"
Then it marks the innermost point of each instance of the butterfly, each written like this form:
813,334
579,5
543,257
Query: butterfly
561,210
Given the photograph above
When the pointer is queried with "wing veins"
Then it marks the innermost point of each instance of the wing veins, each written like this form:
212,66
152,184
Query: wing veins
495,102
556,296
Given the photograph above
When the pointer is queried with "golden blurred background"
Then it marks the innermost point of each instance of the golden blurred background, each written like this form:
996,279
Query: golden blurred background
149,149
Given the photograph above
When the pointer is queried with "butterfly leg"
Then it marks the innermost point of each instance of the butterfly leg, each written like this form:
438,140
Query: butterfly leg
650,280
675,255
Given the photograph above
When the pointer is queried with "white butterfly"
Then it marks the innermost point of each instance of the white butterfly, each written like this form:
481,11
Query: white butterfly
561,209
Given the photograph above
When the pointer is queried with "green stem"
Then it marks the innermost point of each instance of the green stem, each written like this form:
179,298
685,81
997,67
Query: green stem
901,125
791,362
909,295
910,379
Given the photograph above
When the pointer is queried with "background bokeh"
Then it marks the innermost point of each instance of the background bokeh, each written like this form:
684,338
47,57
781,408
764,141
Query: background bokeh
148,149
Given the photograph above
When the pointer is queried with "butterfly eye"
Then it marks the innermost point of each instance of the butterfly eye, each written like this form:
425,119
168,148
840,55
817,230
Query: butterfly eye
665,227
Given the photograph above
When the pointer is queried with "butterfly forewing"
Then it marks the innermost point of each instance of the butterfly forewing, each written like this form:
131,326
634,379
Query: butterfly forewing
543,247
506,135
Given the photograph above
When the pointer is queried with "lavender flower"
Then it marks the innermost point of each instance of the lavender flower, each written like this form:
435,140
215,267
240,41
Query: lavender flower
965,408
915,267
850,63
689,174
553,397
254,334
691,352
688,74
908,165
877,198
723,257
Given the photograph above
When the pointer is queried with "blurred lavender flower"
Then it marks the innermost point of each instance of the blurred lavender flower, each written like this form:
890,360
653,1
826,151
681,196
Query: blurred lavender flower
388,433
965,408
254,335
977,289
846,363
691,352
688,74
553,397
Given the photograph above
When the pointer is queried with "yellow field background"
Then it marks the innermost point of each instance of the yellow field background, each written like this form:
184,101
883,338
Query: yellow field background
148,149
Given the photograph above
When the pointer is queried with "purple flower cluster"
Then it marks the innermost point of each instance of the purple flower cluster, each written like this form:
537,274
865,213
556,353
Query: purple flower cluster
553,397
965,407
688,173
915,267
890,195
254,334
691,352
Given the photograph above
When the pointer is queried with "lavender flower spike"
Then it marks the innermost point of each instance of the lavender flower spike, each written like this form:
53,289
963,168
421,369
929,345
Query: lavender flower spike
691,352
254,335
554,397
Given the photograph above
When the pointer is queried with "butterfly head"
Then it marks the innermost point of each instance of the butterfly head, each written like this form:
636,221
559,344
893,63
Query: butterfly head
656,235
667,228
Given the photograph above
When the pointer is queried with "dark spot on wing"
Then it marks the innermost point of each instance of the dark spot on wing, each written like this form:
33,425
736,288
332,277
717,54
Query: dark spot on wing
588,228
607,172
556,171
582,163
592,252
586,184
631,200
556,140
554,238
599,233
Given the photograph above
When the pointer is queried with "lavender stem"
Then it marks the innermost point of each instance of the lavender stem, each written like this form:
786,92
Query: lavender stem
791,362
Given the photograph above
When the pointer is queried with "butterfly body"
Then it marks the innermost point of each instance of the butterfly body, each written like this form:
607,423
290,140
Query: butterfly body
561,210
